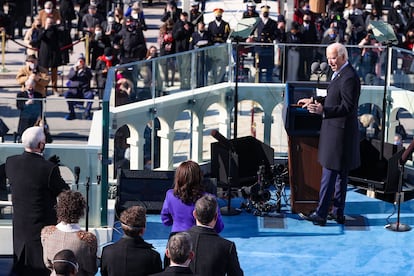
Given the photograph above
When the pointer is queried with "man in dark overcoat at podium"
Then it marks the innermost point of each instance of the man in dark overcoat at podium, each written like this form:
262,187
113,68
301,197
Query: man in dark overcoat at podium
338,151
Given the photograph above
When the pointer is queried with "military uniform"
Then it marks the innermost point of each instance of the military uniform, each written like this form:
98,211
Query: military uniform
219,31
266,32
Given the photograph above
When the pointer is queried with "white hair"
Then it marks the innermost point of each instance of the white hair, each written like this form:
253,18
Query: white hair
32,136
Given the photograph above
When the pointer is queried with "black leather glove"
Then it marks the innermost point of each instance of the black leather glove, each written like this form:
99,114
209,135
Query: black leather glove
55,159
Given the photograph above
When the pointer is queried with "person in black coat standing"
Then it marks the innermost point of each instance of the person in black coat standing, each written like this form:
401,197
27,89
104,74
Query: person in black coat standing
35,183
266,33
131,255
50,56
182,32
214,255
338,151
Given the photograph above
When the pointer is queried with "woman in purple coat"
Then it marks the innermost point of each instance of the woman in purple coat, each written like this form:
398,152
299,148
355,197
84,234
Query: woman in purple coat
178,206
179,202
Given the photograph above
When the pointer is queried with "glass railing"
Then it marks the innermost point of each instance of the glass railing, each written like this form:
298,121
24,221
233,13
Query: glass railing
261,69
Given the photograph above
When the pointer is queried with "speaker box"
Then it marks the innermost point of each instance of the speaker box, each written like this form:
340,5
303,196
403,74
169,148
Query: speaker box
250,152
379,173
142,187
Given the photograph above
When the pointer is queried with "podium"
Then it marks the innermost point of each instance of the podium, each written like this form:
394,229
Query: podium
303,128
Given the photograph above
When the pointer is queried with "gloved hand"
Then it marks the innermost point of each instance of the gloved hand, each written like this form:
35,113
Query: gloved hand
55,159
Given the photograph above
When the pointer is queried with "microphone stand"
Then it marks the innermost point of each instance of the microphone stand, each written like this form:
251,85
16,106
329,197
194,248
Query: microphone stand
397,226
228,210
87,185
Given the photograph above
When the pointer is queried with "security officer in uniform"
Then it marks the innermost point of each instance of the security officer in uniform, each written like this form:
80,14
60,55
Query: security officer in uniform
251,10
220,31
266,32
195,15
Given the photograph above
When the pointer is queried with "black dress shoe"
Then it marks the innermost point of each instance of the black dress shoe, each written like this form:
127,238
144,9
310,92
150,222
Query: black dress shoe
338,219
315,218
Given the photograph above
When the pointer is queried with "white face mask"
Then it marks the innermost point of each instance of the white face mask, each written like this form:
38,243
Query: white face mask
98,34
108,57
134,15
48,10
31,66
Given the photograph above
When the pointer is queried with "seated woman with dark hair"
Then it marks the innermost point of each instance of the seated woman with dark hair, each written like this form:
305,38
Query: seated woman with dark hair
67,234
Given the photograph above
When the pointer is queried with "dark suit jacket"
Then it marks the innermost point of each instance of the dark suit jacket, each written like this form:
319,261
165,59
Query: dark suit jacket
214,255
175,270
130,256
35,184
339,135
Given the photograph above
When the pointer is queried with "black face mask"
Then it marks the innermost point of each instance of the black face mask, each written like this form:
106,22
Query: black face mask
307,21
218,18
265,14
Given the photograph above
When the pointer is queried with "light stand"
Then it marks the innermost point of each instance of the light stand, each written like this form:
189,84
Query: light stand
398,226
228,210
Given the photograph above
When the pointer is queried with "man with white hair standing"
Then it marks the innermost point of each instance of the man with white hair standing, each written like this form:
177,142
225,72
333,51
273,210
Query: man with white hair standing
35,183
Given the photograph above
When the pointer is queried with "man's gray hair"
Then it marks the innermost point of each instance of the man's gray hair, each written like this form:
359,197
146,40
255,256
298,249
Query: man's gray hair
32,136
340,49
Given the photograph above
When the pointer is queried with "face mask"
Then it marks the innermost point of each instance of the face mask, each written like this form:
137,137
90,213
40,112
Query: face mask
307,21
218,18
31,66
108,57
153,55
134,15
48,10
38,25
265,14
111,20
98,35
333,36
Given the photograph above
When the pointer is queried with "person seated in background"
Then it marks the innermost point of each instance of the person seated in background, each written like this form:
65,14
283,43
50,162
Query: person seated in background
180,252
214,255
67,234
131,253
65,263
30,105
79,83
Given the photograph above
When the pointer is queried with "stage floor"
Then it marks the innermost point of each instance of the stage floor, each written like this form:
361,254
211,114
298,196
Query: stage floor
284,244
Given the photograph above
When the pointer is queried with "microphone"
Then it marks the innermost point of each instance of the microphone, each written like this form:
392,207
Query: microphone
316,67
77,173
324,67
222,140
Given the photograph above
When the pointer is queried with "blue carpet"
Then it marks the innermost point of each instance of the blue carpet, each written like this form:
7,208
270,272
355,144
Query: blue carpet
287,245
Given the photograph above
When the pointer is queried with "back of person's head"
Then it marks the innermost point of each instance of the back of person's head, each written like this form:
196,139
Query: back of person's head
32,137
205,210
65,263
133,220
180,248
70,206
187,181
